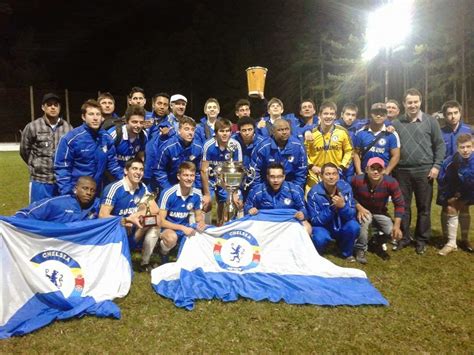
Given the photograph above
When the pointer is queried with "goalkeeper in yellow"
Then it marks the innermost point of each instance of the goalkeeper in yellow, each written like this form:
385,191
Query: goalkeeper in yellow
327,143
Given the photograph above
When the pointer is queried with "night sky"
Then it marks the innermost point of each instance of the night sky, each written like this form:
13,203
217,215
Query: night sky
200,49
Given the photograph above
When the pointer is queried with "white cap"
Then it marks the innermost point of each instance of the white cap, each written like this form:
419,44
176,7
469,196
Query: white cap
177,97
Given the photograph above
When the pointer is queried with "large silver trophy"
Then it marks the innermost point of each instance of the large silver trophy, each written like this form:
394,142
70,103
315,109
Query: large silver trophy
231,175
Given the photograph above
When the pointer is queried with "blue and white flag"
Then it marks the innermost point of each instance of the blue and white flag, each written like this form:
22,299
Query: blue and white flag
264,257
55,271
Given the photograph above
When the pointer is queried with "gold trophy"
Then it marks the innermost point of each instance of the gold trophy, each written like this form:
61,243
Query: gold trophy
230,175
149,219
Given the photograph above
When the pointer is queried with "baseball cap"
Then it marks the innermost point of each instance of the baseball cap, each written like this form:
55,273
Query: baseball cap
376,160
378,106
177,97
49,96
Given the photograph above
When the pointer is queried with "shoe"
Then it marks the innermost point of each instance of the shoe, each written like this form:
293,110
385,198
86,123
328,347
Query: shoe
446,250
466,246
147,268
360,256
350,259
402,244
420,248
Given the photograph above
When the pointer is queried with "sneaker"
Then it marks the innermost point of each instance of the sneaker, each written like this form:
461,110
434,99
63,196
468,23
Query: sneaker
402,244
360,256
466,246
420,248
447,249
350,259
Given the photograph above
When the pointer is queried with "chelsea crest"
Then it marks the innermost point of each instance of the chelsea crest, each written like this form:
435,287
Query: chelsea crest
237,250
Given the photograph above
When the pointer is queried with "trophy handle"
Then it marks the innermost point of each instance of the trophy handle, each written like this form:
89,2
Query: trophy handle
251,174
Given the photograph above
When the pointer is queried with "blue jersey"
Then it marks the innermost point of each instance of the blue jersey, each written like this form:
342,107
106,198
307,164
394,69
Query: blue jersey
126,149
178,207
170,156
213,154
381,149
61,209
122,199
85,152
321,211
262,197
248,149
450,136
292,156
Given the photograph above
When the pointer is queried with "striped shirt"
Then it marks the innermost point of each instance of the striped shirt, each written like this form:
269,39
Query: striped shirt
375,200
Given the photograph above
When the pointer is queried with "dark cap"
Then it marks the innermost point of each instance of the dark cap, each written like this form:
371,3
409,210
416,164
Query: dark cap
50,96
379,106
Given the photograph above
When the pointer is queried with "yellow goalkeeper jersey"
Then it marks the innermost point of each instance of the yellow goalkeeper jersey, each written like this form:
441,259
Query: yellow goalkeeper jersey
332,147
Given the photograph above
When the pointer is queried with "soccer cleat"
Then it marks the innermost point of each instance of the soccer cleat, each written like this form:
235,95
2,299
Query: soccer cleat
466,246
420,248
402,244
350,259
447,249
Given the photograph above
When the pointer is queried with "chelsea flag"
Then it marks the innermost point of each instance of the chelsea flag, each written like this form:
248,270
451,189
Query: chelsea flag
268,256
55,271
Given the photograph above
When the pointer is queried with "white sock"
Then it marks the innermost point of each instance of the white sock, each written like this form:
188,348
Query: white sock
149,243
452,229
164,247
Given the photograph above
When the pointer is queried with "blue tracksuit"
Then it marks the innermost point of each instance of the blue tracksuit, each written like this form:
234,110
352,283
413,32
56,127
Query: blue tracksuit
262,197
248,149
267,130
127,149
85,152
160,122
456,177
450,136
292,157
331,223
170,155
303,127
61,209
203,131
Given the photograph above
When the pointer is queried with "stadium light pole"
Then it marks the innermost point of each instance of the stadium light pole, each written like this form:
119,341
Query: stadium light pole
387,28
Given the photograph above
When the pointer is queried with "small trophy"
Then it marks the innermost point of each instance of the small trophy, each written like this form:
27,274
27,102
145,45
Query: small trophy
148,220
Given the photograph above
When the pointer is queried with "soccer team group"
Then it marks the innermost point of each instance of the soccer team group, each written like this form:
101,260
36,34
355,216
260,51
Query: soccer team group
336,174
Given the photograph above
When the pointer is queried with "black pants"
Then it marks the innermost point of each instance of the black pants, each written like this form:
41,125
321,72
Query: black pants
416,183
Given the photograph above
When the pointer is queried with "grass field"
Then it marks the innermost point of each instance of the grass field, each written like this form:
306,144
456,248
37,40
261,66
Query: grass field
431,310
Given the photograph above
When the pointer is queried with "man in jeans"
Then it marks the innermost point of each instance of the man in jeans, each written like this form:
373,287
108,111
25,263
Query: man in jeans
422,152
371,191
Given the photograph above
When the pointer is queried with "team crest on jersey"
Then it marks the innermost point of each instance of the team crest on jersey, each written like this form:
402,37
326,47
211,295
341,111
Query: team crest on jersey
61,270
227,156
382,141
335,138
189,206
291,158
237,250
287,201
104,149
192,157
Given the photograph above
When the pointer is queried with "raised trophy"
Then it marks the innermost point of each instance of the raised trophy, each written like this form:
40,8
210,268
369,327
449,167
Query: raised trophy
148,220
231,175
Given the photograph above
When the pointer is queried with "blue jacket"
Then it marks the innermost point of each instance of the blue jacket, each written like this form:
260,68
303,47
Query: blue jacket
266,131
203,131
61,209
170,155
456,176
160,122
323,214
262,197
124,148
85,152
302,127
248,149
292,157
450,136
